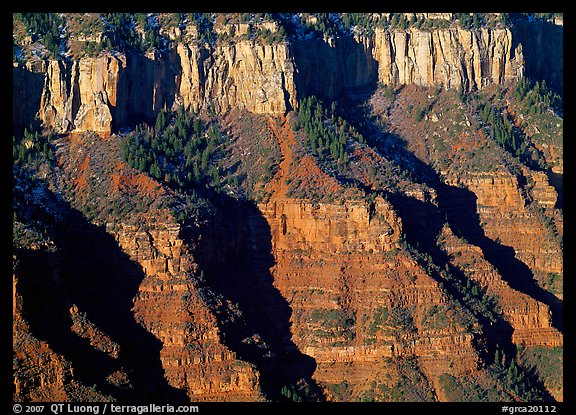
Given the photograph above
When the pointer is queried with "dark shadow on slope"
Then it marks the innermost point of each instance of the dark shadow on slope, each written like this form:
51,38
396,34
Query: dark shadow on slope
327,71
91,271
422,223
235,253
145,86
543,50
27,87
556,180
456,206
460,208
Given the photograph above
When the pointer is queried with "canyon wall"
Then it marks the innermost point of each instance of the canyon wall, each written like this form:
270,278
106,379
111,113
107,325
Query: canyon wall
359,302
452,57
129,306
506,217
171,305
107,92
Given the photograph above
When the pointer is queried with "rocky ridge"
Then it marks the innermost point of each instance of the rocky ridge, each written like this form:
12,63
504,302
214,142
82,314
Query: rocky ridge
102,93
331,290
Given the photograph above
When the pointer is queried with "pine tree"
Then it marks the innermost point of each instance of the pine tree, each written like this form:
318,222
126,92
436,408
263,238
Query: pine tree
498,357
512,373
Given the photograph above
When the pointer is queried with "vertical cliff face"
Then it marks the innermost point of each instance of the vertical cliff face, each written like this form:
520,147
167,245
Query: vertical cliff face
27,84
543,43
246,75
341,228
110,91
80,95
327,67
453,57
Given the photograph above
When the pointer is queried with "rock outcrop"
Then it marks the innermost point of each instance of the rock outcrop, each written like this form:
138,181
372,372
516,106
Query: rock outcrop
503,210
452,57
171,306
357,298
530,319
356,290
300,225
80,95
113,90
244,74
167,297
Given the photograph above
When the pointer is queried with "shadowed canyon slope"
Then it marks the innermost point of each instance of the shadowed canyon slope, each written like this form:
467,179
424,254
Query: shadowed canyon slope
286,207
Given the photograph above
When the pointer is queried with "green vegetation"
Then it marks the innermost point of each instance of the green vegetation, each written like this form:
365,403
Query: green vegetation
379,319
204,25
547,17
402,318
44,27
152,38
412,386
398,20
335,319
501,128
468,21
507,131
421,111
35,210
553,283
290,393
121,34
544,362
321,23
536,97
463,390
326,133
341,390
362,21
33,148
181,151
469,302
514,377
435,318
268,37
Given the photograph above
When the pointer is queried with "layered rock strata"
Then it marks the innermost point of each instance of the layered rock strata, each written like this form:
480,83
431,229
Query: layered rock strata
356,298
170,305
111,91
169,300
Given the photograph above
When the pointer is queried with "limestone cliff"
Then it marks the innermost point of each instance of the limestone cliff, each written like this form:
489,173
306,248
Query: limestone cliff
113,90
80,95
109,91
452,57
246,75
